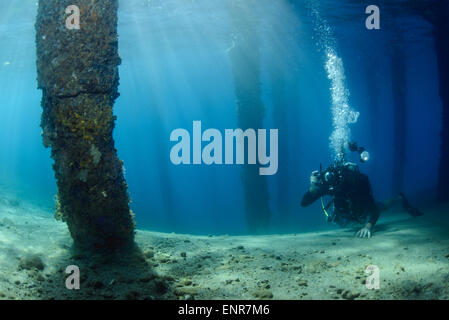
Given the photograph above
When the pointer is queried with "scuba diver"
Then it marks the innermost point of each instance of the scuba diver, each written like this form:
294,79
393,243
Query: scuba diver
351,195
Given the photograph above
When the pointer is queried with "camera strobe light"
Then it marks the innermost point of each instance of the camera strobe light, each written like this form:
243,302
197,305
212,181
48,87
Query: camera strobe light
364,156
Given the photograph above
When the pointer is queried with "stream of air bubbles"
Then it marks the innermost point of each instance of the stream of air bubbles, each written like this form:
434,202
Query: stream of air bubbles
342,114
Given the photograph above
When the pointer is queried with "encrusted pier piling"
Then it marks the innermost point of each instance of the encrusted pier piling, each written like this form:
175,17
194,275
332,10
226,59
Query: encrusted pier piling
78,75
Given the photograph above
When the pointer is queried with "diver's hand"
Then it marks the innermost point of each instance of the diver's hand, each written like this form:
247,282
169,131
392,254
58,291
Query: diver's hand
314,177
365,232
314,182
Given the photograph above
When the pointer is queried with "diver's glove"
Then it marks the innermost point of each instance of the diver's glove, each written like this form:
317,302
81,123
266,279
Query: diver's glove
314,181
365,232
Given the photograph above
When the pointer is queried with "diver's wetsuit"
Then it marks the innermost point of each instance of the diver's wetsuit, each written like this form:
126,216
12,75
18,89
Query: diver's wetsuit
352,197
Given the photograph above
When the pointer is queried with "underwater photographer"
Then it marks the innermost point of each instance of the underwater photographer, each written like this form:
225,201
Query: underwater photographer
351,195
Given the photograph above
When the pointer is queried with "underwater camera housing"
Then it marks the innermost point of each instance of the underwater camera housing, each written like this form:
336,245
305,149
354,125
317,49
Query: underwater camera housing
331,176
363,154
335,173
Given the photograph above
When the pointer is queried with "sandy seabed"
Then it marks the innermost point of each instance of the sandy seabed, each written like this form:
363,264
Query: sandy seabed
412,256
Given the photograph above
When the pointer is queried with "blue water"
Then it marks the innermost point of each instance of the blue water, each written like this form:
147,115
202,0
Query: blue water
176,69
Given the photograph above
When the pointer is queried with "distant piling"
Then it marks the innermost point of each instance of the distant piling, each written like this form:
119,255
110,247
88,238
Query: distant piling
244,58
78,74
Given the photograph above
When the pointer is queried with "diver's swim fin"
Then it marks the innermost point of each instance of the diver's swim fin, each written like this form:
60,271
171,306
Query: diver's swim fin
409,208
